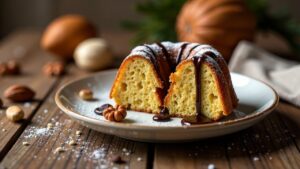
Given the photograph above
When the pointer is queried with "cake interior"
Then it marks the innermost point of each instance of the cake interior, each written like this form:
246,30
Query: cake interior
137,86
182,93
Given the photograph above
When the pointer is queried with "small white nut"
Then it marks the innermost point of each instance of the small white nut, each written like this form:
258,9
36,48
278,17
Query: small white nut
49,126
86,94
78,133
25,143
93,54
59,150
72,143
14,113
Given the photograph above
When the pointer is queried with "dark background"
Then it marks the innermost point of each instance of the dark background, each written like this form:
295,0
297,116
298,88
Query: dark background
105,14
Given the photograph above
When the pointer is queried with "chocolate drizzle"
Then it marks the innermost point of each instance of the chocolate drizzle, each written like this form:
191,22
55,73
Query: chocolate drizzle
167,56
153,57
163,115
178,58
205,54
197,64
99,110
194,47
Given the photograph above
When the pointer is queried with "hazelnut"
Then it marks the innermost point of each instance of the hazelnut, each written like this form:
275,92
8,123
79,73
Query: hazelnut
115,114
19,93
13,67
54,69
3,69
86,94
9,68
14,113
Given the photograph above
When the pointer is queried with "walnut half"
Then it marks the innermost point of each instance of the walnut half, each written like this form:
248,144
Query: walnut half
115,114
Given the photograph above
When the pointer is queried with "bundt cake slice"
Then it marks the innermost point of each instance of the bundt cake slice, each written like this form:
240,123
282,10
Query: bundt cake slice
142,81
190,80
208,93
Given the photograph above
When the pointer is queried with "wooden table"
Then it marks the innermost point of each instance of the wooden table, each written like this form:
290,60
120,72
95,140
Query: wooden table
273,143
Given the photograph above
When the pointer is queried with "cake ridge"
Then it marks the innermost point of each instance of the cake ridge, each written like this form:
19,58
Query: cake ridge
167,57
180,52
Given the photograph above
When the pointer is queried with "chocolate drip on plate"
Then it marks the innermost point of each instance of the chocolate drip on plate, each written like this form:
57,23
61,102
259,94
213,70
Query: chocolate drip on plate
163,115
99,110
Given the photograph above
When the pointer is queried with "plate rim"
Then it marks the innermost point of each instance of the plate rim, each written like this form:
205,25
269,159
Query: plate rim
78,116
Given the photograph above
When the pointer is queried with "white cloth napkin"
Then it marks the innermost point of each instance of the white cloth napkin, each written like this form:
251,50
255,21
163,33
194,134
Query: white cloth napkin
283,75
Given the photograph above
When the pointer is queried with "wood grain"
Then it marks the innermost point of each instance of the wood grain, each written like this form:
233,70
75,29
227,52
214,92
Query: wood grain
23,47
272,143
93,150
269,144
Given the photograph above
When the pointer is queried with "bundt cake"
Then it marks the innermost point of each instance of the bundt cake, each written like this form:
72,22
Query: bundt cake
191,80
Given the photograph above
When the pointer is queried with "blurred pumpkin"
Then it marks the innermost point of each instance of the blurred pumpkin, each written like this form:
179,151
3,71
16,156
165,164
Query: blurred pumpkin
62,36
220,23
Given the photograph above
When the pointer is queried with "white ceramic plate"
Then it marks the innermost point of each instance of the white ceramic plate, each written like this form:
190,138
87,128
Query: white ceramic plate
256,101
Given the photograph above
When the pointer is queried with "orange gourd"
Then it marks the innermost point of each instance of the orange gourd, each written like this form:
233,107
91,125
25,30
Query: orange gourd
220,23
62,35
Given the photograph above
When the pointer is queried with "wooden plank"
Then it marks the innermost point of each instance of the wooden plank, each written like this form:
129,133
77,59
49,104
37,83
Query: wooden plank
268,144
290,115
200,154
23,47
94,149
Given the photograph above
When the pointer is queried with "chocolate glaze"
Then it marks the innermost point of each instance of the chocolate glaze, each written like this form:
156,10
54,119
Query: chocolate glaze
197,64
190,51
163,115
154,59
205,54
167,56
99,110
179,56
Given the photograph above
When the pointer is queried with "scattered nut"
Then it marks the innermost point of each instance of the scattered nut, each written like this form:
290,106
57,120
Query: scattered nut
4,130
59,150
49,126
86,94
117,159
78,133
9,68
3,69
14,113
19,93
72,143
115,114
13,67
54,68
25,143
